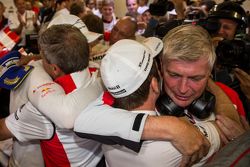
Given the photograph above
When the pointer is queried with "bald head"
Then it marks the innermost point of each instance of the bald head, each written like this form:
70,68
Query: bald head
125,28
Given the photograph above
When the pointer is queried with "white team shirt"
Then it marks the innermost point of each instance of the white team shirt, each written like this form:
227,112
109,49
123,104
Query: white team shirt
22,151
157,153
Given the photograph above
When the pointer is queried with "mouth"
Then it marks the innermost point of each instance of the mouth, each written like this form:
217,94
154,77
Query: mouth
182,98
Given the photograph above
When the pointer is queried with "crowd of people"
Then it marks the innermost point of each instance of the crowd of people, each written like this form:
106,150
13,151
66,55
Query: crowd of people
82,87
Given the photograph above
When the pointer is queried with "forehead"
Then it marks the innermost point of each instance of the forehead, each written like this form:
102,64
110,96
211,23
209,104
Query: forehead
228,22
107,6
131,1
188,68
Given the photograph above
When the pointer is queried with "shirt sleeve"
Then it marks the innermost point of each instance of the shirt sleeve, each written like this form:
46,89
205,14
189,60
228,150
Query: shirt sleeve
211,133
27,123
111,126
51,100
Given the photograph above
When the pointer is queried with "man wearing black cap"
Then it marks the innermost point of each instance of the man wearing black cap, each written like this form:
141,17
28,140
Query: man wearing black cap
233,21
231,16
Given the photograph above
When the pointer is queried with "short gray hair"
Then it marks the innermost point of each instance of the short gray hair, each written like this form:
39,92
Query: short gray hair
65,46
188,43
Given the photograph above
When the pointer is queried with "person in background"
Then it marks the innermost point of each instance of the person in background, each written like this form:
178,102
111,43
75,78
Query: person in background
3,20
232,20
125,28
141,5
98,49
62,7
98,10
94,23
46,9
108,15
230,25
132,8
23,22
143,20
78,9
91,4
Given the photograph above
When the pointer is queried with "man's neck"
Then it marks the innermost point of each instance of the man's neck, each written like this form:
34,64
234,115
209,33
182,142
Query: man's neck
149,105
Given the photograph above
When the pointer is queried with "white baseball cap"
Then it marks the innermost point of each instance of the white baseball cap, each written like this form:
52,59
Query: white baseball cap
143,9
127,64
78,23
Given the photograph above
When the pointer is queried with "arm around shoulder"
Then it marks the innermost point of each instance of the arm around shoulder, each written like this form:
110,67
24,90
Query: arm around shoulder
182,134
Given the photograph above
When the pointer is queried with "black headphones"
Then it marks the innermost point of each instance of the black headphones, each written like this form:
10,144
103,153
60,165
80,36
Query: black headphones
200,108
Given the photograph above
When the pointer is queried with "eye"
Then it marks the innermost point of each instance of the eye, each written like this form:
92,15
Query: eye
196,79
174,75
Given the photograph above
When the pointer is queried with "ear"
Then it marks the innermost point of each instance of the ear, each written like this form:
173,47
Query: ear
56,70
155,86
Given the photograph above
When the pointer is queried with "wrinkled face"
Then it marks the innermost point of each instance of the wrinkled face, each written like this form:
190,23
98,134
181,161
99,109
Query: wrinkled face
107,12
228,29
122,30
132,6
20,5
185,81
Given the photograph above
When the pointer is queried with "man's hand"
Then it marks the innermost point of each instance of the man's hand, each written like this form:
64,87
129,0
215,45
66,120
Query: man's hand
231,129
244,79
190,142
182,134
216,40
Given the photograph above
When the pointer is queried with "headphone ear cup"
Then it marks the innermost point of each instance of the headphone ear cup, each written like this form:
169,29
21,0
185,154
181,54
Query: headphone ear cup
165,106
203,106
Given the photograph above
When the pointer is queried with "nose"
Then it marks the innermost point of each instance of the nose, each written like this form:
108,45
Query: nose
221,31
183,86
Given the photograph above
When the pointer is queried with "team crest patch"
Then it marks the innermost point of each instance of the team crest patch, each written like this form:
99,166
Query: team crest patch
12,75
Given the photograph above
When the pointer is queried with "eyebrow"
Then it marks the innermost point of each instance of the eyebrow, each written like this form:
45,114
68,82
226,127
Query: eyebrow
194,76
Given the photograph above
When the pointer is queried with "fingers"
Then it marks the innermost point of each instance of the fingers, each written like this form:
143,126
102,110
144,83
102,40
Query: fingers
229,128
240,72
189,160
216,40
185,160
241,75
222,135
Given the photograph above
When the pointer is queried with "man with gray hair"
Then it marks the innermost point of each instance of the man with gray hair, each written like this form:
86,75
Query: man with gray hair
187,61
65,54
